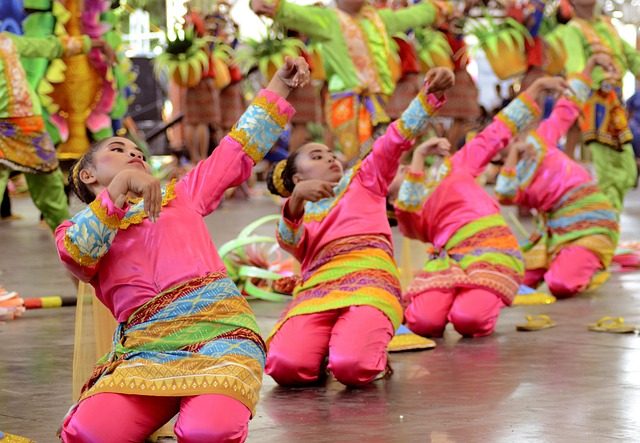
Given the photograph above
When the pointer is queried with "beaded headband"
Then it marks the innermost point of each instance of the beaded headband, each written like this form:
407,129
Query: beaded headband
278,182
76,173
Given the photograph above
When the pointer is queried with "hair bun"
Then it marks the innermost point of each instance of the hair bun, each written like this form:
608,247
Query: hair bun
277,180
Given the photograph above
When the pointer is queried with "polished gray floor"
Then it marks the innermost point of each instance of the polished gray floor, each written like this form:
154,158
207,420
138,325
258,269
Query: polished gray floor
564,384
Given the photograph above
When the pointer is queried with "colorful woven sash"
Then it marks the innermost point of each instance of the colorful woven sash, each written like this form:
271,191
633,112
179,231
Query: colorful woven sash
198,338
482,254
582,217
347,272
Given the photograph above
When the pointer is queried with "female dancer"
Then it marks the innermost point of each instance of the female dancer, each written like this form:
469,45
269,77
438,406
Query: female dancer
187,340
476,266
579,226
336,225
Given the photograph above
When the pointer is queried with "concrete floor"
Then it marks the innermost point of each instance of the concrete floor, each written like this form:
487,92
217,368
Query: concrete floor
559,385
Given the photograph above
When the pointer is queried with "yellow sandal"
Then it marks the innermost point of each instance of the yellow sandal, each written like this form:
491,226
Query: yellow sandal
536,323
613,325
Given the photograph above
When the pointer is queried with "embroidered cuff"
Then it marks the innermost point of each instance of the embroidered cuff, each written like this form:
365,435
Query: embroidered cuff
412,193
93,230
261,124
289,232
518,114
506,185
526,169
414,119
580,88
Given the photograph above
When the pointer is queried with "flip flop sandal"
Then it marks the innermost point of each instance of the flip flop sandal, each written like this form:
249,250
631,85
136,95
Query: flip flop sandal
613,325
387,373
598,280
405,340
536,323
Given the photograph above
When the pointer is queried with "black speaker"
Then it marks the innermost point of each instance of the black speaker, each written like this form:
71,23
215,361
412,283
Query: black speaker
150,97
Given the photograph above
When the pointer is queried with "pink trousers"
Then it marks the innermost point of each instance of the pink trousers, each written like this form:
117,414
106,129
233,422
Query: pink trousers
570,272
473,312
355,340
121,418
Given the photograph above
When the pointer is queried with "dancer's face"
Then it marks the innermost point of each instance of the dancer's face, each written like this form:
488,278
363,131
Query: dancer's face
316,161
113,156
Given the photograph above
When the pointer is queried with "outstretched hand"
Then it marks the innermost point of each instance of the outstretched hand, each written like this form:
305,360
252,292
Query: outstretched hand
439,80
606,62
130,183
313,190
548,86
436,146
293,74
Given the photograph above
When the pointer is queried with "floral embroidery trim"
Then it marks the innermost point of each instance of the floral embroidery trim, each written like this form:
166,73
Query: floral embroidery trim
412,194
443,171
101,212
289,233
415,117
518,114
135,215
506,185
259,127
78,257
317,211
526,169
580,85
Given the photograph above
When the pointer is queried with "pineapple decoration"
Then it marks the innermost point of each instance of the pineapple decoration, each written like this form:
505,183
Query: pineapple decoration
503,43
269,53
433,49
185,58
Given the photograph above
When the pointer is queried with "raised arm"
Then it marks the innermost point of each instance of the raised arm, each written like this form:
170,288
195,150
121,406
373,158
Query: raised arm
291,234
87,237
409,206
316,22
50,47
566,111
514,118
379,168
567,108
422,14
248,142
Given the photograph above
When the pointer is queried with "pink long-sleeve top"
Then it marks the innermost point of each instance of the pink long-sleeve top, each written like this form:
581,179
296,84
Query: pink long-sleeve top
541,181
359,205
457,199
128,259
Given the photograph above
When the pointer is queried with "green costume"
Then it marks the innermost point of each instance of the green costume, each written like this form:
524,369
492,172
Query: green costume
604,125
25,144
359,59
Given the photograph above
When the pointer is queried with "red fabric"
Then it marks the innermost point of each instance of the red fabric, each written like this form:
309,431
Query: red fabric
355,340
535,51
408,57
459,50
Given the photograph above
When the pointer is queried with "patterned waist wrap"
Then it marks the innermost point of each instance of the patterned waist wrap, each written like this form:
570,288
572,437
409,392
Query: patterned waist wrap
482,254
346,272
200,337
604,120
582,217
26,146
